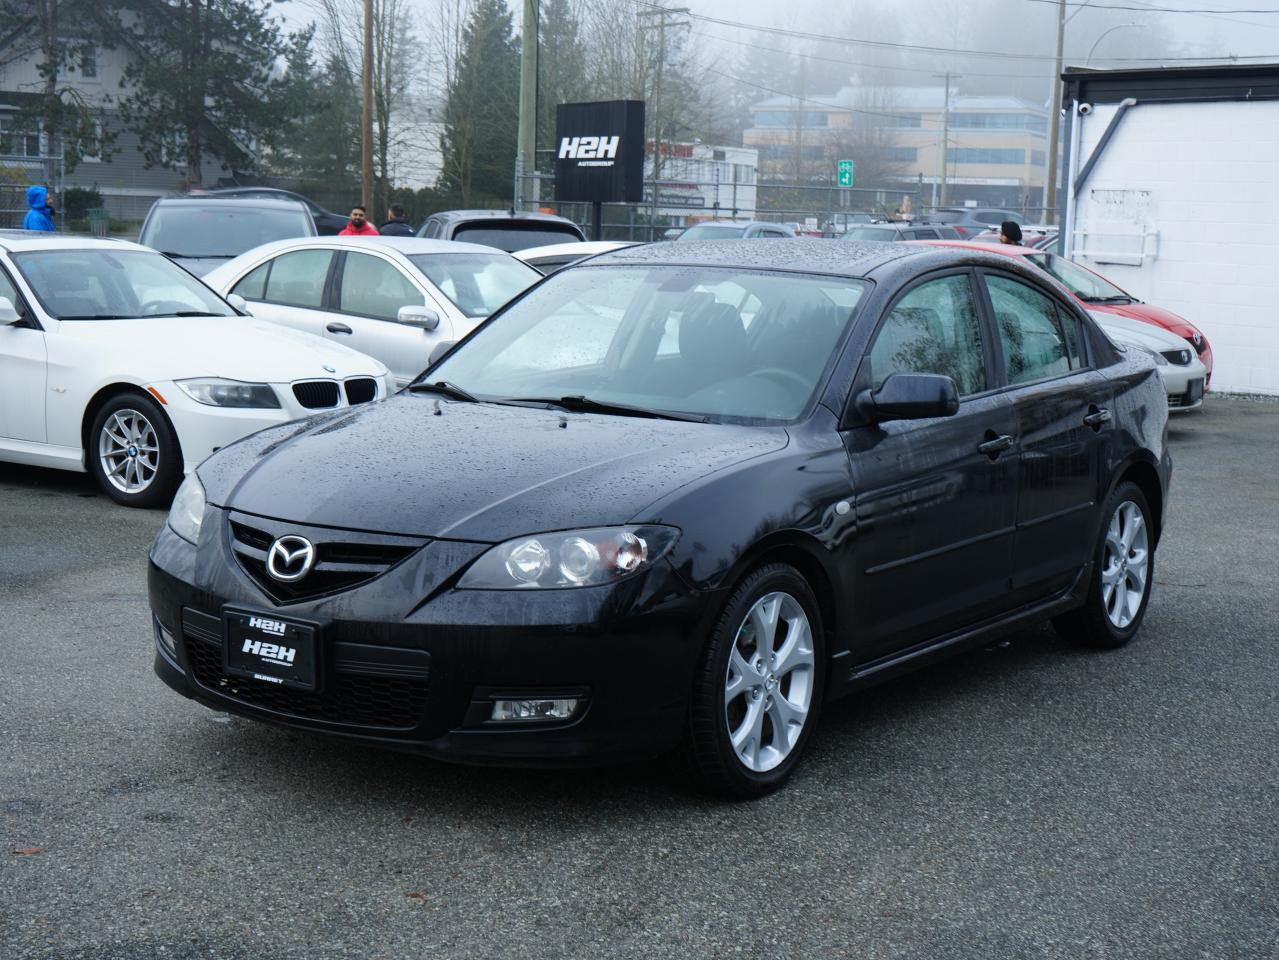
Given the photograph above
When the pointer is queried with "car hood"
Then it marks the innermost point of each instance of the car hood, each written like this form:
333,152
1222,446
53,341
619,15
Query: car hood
1147,313
1127,330
238,348
421,464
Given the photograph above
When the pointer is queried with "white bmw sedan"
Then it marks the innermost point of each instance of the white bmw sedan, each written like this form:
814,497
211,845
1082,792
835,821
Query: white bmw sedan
115,361
394,298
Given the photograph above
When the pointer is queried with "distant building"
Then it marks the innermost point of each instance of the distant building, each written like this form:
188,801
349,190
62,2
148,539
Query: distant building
698,181
996,155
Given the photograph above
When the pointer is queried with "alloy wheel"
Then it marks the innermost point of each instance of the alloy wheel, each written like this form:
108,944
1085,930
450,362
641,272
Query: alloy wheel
1125,565
129,451
768,687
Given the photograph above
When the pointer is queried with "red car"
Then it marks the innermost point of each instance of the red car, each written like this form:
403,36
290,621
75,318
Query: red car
1097,293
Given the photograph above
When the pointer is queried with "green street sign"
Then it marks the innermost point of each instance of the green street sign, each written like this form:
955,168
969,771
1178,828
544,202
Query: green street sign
845,171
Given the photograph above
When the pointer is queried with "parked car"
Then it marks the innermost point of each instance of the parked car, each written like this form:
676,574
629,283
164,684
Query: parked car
768,475
327,223
548,259
1183,374
1099,295
117,362
736,230
970,221
890,232
501,228
393,298
200,234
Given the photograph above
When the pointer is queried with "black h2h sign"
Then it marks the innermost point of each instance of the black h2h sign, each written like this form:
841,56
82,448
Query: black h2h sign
599,151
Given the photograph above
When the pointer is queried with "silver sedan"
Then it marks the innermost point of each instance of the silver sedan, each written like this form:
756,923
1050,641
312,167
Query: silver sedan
392,298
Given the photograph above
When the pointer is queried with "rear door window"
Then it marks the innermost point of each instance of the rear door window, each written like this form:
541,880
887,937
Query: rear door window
1031,337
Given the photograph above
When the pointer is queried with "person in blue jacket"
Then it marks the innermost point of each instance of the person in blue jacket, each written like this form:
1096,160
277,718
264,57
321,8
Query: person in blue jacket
40,216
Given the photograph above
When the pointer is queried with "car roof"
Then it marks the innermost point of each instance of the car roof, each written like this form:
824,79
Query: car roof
499,214
250,202
17,241
405,245
1004,249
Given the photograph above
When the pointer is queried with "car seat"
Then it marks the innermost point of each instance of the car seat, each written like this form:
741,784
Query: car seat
712,340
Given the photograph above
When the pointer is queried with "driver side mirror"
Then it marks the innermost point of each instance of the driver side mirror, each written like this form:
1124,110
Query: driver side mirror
424,318
8,313
239,303
910,396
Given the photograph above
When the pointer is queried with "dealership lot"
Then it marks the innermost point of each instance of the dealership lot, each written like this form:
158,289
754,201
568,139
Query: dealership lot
1027,800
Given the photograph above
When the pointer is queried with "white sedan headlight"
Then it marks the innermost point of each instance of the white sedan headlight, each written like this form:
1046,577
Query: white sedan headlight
188,509
216,392
569,558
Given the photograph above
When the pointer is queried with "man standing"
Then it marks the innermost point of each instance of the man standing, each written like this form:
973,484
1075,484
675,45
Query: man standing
359,225
397,226
40,216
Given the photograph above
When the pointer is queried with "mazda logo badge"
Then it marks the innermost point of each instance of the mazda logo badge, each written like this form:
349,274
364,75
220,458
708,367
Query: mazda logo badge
290,559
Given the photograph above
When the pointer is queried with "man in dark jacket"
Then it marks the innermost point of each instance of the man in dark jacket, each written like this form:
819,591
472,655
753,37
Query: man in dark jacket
397,226
40,216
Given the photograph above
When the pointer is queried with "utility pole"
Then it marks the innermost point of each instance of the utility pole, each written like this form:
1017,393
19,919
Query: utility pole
664,19
945,136
1054,120
366,117
526,152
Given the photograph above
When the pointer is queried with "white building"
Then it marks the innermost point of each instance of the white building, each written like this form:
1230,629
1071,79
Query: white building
697,181
1172,191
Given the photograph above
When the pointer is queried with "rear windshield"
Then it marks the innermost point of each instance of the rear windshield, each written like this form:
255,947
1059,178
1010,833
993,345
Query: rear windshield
713,231
513,235
220,229
871,233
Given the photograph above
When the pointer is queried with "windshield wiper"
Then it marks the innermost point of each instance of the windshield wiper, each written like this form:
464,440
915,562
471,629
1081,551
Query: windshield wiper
100,316
451,390
197,256
580,404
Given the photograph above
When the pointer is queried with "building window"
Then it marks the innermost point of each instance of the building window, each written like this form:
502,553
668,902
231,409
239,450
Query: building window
792,118
977,155
16,143
903,120
89,62
901,154
999,121
1037,158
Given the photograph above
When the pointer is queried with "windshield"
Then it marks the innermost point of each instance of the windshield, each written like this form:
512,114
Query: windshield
220,229
870,233
720,343
713,231
477,283
115,284
514,235
1083,283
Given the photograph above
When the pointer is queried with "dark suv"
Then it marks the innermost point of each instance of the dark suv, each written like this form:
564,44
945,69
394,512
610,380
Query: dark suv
327,223
501,228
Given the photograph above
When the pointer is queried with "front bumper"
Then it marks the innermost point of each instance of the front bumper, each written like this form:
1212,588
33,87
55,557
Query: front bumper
408,662
1184,383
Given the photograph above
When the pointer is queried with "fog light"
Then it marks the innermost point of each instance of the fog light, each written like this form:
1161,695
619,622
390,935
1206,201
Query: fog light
529,710
164,638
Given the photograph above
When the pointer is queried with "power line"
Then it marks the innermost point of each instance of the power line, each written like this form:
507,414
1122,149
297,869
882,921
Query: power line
921,48
1152,9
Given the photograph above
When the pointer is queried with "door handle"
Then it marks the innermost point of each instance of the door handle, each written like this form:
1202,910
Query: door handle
1096,417
996,445
337,328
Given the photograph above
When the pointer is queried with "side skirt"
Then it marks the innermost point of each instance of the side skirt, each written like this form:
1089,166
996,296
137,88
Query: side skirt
42,455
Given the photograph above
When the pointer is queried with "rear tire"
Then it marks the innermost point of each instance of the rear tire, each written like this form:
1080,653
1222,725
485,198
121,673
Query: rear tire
758,689
133,452
1123,572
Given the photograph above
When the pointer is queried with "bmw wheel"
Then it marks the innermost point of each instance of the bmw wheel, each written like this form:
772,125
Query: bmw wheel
133,452
759,686
1123,571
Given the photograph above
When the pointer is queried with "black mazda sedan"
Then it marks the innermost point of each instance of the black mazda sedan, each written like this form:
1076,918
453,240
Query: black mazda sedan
680,495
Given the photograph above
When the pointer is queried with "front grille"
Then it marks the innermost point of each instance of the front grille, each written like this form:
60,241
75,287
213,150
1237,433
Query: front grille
365,701
1179,357
316,394
360,390
339,564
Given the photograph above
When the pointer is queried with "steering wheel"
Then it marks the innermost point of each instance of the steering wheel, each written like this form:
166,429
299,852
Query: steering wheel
162,306
786,377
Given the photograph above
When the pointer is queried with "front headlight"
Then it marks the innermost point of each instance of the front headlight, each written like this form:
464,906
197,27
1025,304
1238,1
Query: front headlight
215,392
570,558
1159,358
188,510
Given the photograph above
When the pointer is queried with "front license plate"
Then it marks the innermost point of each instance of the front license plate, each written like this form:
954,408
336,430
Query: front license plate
270,649
1195,393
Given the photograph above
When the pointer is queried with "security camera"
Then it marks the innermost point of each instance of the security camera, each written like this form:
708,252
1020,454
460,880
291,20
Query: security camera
1085,109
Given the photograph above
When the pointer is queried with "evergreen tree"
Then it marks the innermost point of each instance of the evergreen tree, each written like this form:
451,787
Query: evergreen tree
481,114
201,84
561,62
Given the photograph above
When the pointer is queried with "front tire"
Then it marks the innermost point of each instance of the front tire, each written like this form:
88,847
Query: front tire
133,452
758,690
1123,572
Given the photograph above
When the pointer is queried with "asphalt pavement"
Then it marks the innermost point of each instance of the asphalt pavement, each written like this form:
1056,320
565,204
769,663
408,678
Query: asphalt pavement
1028,800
